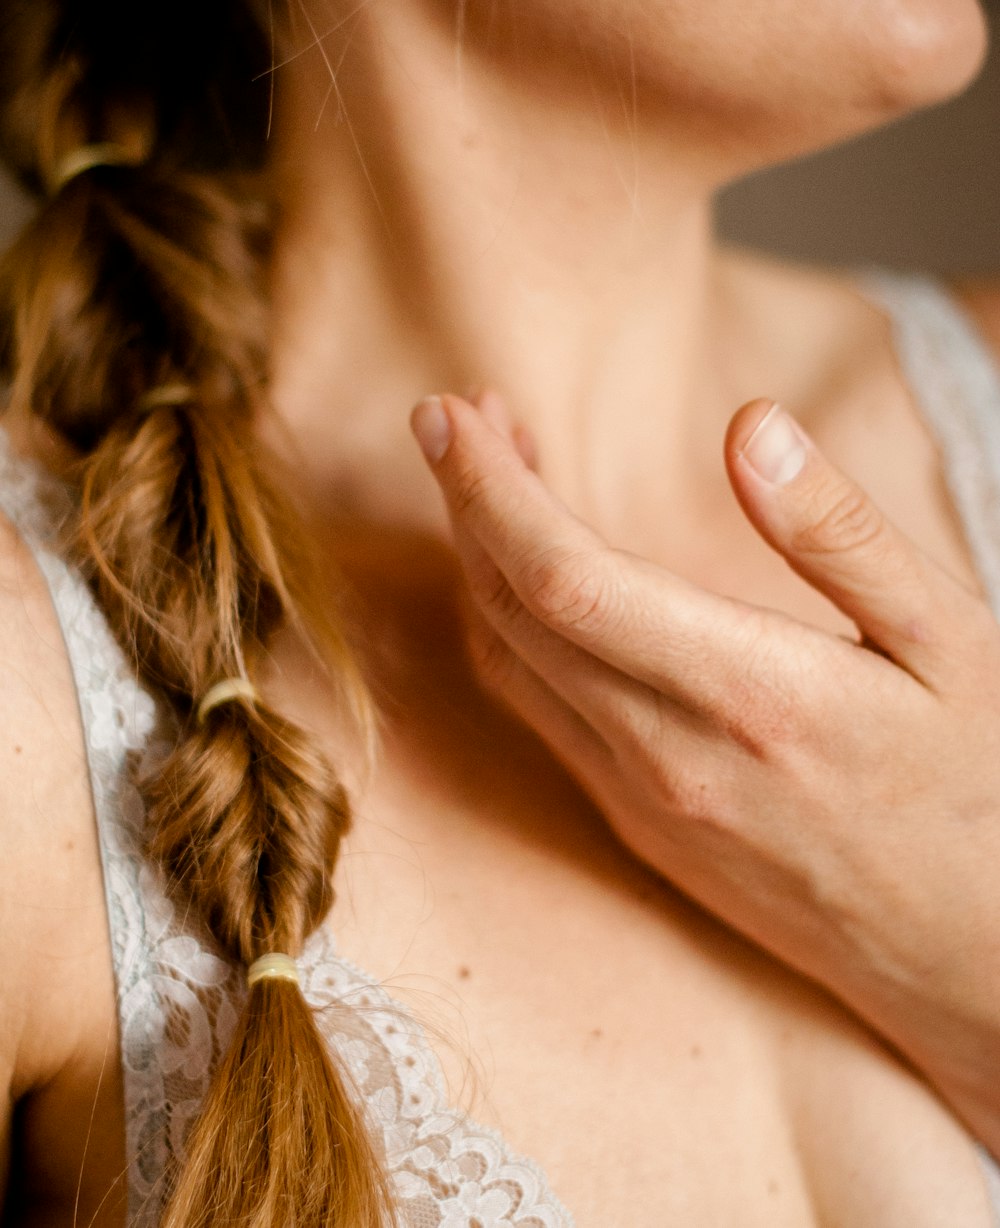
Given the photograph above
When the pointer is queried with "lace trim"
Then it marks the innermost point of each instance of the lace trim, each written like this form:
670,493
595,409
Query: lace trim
955,381
991,1173
956,384
117,719
448,1170
177,998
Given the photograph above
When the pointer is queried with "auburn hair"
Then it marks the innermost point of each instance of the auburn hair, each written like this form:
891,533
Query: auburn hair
134,327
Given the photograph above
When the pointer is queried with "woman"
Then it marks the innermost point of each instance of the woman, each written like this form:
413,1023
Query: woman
518,195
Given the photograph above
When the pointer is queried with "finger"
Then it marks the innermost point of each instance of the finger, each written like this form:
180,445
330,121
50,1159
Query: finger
702,650
674,771
505,626
494,409
571,738
505,635
834,536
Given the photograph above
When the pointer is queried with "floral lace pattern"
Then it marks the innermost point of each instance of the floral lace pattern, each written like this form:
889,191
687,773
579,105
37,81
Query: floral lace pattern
177,999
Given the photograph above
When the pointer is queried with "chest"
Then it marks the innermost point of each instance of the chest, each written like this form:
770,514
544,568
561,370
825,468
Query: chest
573,997
660,1069
614,1033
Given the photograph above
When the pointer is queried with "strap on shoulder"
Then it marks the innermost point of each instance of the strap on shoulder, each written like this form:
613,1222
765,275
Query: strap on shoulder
955,384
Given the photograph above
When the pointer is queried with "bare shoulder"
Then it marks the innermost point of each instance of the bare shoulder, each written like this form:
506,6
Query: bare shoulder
812,328
58,1049
819,321
51,895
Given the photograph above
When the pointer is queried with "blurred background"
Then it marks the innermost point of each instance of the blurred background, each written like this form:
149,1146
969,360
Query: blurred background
923,193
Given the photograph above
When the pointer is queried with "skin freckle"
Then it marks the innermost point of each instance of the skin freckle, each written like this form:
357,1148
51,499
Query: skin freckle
464,973
696,1051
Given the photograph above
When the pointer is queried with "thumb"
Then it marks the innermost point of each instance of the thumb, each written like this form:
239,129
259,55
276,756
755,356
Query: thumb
834,536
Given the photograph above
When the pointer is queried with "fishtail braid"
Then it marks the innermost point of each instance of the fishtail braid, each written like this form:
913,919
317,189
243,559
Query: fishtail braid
135,329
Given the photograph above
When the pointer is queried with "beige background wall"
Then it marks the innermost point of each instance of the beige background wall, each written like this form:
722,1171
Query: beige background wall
923,193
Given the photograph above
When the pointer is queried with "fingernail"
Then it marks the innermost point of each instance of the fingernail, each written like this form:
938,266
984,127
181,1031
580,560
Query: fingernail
432,428
775,449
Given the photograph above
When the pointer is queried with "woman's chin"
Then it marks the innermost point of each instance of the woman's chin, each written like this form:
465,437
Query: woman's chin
908,54
924,52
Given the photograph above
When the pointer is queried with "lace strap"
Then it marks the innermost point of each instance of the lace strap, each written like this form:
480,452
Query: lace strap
117,718
177,999
955,381
991,1171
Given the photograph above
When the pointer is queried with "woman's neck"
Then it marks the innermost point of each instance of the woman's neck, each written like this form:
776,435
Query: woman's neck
443,225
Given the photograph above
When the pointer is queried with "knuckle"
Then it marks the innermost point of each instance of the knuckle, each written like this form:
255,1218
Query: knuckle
700,800
848,521
683,801
681,782
760,720
567,593
470,488
762,707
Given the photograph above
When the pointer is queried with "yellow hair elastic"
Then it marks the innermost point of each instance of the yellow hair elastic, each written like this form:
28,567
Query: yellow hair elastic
165,395
273,967
225,692
84,158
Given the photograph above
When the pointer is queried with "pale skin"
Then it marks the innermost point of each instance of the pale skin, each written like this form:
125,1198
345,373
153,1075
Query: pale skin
555,242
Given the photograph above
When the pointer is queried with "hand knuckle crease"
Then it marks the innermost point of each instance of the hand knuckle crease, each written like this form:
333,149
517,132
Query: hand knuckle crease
850,522
566,594
470,489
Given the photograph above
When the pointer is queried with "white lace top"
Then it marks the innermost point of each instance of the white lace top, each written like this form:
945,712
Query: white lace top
177,999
